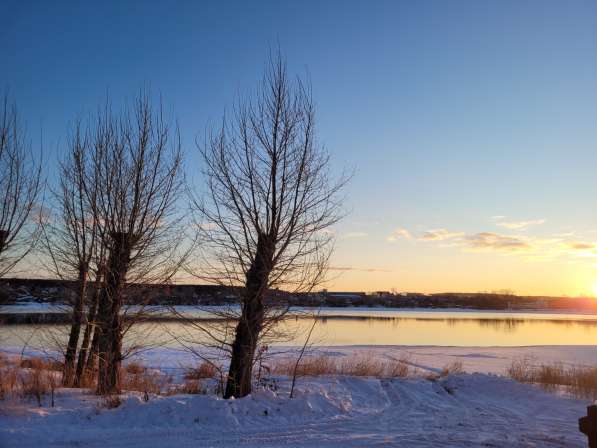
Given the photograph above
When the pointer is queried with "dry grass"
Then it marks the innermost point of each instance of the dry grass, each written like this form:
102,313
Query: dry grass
136,377
204,370
192,387
31,378
579,381
135,368
9,381
358,366
41,364
453,368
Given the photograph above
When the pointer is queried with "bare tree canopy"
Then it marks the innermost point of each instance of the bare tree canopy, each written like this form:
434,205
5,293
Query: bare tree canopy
20,188
70,232
71,238
136,168
271,200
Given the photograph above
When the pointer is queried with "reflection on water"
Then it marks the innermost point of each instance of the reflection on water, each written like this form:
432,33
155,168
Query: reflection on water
359,328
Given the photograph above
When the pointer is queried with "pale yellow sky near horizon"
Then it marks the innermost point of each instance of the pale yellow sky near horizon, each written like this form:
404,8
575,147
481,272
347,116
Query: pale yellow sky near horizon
528,257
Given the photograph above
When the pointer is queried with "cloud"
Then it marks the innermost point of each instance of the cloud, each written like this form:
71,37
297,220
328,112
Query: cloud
440,235
497,217
580,245
354,235
397,234
496,242
352,268
520,225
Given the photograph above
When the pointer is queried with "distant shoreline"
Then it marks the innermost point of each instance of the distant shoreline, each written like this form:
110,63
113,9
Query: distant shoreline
11,315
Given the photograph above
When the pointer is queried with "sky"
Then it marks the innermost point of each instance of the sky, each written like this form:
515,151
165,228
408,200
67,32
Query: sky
471,126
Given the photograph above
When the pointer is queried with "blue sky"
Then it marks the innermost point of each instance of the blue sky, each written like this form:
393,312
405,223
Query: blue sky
451,113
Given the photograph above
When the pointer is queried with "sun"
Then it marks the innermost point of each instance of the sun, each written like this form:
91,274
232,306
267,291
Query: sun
594,289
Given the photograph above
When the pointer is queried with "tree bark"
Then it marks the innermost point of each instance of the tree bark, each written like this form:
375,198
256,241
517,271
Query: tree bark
92,355
3,239
251,321
110,321
75,329
85,351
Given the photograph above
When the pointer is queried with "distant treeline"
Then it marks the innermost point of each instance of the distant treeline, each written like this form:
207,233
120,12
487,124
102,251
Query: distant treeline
58,291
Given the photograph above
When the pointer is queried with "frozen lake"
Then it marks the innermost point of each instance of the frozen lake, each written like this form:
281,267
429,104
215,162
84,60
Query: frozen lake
359,326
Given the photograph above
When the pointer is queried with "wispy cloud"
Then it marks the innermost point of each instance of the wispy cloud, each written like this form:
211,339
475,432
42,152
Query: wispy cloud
354,235
397,234
529,247
440,235
520,225
580,245
495,242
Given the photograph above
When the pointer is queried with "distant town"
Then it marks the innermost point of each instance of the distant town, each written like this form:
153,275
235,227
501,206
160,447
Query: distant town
15,291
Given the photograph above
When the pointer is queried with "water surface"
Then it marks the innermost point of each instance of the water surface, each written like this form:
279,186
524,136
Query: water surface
356,326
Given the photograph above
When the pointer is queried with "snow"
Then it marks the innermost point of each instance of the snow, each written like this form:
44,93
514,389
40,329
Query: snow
494,360
470,409
458,410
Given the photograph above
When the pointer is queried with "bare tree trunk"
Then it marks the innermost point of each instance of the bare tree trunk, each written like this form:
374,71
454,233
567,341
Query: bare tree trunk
251,322
93,349
3,239
85,351
75,329
110,337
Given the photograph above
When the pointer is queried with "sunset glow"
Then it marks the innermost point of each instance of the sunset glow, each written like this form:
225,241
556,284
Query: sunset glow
473,148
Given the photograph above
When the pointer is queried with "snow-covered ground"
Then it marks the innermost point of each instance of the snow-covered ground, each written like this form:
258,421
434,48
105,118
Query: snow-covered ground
466,410
457,411
425,359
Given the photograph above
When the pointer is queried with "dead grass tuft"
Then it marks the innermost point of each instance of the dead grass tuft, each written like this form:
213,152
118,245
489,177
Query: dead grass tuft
365,366
358,366
399,368
41,364
204,370
9,381
135,368
137,377
31,378
191,387
453,368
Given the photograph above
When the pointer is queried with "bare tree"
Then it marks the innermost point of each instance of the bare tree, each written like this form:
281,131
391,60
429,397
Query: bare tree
136,166
20,188
89,344
71,236
270,202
